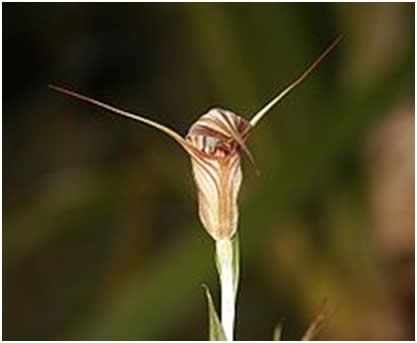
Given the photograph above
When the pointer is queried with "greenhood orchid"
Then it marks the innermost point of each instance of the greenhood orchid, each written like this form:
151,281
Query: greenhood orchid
214,143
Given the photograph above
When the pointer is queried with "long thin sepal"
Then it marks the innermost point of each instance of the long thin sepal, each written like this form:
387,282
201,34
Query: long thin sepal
113,109
258,116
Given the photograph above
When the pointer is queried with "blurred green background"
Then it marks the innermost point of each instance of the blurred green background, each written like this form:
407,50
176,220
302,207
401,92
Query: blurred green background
101,238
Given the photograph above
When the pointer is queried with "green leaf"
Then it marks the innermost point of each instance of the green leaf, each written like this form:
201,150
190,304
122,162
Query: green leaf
278,332
215,327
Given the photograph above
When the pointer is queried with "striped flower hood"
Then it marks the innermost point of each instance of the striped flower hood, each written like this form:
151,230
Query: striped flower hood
218,137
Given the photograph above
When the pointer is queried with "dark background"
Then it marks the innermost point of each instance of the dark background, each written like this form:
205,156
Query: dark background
101,238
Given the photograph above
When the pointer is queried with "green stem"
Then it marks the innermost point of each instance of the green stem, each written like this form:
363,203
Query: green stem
228,273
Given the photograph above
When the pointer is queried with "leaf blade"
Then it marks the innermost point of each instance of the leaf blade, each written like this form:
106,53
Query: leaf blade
216,332
278,332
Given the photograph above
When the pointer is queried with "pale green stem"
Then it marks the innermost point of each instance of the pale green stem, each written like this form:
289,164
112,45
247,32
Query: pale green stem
224,253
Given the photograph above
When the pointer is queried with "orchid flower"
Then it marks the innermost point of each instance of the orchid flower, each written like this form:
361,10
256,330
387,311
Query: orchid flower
214,143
